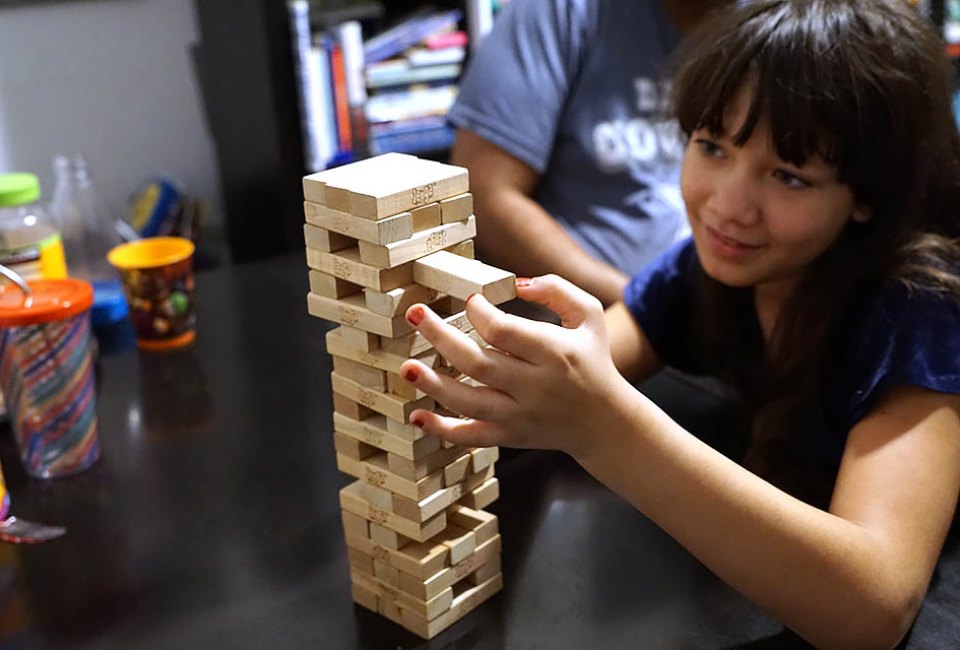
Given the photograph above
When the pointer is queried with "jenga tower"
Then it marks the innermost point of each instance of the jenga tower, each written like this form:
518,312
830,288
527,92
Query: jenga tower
383,234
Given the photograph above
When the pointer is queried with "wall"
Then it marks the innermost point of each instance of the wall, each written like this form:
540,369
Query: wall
112,79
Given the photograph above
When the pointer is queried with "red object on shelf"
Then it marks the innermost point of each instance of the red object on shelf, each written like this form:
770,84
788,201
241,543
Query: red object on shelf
446,39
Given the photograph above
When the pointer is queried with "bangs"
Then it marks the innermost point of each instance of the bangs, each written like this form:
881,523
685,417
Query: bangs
806,78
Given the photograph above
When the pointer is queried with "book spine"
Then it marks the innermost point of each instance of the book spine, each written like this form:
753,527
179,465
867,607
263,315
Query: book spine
407,34
298,12
324,127
340,101
414,141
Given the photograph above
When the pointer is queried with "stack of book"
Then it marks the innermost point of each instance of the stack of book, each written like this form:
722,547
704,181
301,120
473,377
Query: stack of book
388,93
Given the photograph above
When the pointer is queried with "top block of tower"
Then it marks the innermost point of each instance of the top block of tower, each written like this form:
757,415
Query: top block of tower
314,185
380,190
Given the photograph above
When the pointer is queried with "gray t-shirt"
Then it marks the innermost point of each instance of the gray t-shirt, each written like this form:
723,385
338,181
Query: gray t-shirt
574,88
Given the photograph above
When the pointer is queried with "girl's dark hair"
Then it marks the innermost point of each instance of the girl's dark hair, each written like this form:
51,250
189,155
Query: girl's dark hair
866,85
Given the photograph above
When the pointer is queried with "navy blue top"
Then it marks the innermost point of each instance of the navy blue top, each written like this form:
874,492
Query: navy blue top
893,338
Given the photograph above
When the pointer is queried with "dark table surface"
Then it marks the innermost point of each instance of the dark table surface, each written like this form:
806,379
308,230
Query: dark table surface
213,521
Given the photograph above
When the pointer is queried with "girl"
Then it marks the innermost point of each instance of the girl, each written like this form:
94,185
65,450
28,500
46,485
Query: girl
821,185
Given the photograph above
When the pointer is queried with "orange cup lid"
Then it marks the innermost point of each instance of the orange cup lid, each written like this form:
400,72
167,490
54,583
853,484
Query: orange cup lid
52,300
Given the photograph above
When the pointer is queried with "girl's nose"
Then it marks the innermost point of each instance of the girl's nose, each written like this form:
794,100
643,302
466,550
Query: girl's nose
734,197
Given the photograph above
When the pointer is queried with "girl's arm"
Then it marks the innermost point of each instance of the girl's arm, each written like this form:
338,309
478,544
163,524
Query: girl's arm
632,353
854,576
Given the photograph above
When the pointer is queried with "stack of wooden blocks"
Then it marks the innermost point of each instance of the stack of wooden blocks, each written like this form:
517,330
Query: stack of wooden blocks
383,234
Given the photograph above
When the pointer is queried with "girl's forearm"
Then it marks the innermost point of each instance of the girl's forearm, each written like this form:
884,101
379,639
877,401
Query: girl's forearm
826,578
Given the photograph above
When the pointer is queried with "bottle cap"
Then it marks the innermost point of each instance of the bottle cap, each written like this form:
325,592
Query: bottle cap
18,189
52,300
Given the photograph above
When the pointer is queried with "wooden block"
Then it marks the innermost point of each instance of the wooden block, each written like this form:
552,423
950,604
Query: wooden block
362,562
483,495
416,469
414,344
420,244
486,572
381,359
457,470
351,499
364,596
464,249
404,430
396,301
426,216
483,458
385,591
352,448
461,277
350,408
352,311
374,470
376,496
373,431
425,589
386,573
456,208
383,403
463,603
366,376
325,241
355,339
314,185
399,188
331,287
397,385
419,559
385,231
461,543
386,538
483,524
355,525
347,265
440,500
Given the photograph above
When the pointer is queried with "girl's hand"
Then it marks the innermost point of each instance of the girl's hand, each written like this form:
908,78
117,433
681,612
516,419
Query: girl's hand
546,386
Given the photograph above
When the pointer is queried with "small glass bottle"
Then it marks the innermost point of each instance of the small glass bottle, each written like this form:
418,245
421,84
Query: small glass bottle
29,241
86,223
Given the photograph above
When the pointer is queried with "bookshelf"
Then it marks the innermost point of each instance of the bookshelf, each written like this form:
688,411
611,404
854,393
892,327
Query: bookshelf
247,70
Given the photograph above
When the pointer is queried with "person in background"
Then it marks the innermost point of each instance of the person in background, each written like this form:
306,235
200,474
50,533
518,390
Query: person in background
562,120
821,180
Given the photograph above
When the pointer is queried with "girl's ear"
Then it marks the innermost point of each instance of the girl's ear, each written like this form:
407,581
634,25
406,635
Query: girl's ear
861,213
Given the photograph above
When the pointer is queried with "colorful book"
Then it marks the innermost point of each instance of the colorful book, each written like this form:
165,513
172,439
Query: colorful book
408,33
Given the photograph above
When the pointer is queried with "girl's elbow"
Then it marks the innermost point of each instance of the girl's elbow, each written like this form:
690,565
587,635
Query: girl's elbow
886,621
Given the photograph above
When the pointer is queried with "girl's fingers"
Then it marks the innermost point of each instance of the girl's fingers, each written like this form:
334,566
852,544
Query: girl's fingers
459,431
479,402
572,304
519,337
483,364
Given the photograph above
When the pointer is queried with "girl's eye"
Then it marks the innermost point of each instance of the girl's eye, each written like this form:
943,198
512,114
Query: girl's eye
790,179
709,148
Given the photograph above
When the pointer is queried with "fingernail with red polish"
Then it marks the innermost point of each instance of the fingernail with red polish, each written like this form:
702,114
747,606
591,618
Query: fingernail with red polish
415,316
524,282
417,422
411,375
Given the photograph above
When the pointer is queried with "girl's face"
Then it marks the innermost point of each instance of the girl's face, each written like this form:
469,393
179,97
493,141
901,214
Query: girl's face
756,219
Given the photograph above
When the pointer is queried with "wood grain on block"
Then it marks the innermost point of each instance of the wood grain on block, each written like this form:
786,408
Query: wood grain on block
367,376
362,562
351,500
352,311
347,265
414,469
426,216
385,231
483,458
323,240
384,590
396,188
355,339
463,603
456,208
396,301
351,447
484,573
456,471
355,525
373,431
461,542
386,538
364,596
404,430
397,385
328,286
461,277
483,496
383,403
483,524
314,185
420,244
378,358
387,575
429,588
414,343
374,470
351,408
442,499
